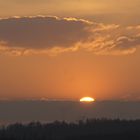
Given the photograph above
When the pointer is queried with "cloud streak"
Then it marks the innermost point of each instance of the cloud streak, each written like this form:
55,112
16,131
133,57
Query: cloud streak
52,35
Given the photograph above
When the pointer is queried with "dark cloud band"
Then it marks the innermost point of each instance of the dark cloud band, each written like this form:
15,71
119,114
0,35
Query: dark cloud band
52,34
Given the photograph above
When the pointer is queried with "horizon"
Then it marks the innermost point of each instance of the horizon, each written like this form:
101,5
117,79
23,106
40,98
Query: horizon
64,100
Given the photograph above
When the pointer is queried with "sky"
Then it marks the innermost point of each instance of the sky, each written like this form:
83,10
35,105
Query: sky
61,49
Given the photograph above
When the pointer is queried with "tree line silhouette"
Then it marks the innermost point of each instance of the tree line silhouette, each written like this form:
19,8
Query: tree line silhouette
90,129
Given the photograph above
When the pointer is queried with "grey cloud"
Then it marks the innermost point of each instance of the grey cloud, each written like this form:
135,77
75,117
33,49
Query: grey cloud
126,42
52,35
41,32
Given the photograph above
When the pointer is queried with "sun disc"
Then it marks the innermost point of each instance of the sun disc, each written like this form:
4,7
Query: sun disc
87,99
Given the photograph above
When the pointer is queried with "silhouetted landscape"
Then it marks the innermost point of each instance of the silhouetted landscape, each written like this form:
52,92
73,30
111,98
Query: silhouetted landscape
94,129
67,120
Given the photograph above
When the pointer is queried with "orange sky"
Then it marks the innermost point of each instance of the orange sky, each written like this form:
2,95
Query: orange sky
101,10
57,57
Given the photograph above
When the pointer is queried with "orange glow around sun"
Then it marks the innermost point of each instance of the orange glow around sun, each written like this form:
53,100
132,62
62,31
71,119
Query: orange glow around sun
87,99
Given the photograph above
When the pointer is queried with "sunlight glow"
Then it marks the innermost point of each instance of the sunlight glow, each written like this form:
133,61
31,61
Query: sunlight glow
87,99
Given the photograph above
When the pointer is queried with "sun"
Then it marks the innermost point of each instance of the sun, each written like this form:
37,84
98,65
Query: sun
87,99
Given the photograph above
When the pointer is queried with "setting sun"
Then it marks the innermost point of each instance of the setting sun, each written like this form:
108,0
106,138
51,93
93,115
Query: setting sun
87,99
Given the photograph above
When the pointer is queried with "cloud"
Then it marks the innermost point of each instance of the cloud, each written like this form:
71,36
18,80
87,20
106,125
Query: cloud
41,32
52,35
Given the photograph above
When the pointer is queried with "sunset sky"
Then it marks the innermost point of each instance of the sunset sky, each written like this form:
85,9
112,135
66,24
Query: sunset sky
67,49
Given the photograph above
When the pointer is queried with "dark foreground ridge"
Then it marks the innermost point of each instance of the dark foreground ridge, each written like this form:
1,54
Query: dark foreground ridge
96,129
